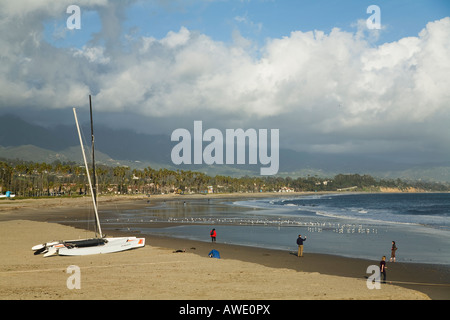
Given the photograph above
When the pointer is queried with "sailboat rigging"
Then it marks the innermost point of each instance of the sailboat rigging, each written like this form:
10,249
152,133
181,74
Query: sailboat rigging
99,244
94,180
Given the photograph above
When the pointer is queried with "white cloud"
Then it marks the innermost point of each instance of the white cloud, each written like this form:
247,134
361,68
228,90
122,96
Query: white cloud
310,85
92,54
175,39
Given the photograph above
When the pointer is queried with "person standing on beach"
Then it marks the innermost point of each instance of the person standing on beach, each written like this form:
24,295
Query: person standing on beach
213,235
383,268
300,245
393,249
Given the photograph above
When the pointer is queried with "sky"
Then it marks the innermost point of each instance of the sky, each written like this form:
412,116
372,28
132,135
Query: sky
312,69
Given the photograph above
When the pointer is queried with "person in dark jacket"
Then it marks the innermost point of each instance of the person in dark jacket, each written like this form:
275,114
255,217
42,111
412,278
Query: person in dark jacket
383,268
300,245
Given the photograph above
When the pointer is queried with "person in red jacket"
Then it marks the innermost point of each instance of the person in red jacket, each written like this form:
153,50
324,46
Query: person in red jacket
213,234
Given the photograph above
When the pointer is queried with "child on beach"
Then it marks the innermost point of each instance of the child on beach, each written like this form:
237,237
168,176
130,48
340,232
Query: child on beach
393,249
383,268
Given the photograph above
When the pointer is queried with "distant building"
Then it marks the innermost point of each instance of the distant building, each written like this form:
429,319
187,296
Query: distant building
286,189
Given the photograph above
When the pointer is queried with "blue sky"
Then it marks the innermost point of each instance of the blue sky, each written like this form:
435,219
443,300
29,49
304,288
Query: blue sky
257,20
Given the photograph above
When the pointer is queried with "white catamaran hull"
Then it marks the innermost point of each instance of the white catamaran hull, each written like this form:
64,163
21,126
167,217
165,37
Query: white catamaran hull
107,245
113,245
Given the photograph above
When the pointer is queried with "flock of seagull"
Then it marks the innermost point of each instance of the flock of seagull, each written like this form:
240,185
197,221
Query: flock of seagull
312,226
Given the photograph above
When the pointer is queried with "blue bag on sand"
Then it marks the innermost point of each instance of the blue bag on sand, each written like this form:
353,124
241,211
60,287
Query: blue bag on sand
214,254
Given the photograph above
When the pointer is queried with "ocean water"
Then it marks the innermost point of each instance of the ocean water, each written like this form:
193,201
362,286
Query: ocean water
353,225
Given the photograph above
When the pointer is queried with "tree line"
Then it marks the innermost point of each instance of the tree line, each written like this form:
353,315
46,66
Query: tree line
29,179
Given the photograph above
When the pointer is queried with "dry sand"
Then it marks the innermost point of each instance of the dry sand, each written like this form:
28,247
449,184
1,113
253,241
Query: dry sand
155,271
159,273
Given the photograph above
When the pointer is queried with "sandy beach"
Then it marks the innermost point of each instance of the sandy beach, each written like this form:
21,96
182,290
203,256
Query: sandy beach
157,272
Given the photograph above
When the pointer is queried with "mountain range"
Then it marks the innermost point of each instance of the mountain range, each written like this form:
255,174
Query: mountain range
23,140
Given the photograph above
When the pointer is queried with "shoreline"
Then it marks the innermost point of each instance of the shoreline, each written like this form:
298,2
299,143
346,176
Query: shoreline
405,275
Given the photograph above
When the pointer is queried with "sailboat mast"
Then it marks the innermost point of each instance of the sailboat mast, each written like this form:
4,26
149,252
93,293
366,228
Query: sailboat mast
94,180
99,229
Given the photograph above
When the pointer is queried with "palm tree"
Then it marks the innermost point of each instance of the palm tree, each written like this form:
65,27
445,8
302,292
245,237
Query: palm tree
120,173
6,174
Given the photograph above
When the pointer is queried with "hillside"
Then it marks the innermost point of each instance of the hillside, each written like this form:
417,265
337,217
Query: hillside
22,140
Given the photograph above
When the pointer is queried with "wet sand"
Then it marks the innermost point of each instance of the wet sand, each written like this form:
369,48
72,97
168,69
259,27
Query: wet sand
156,272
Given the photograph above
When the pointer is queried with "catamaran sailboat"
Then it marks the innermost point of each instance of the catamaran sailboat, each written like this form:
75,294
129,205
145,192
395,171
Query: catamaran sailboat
98,244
